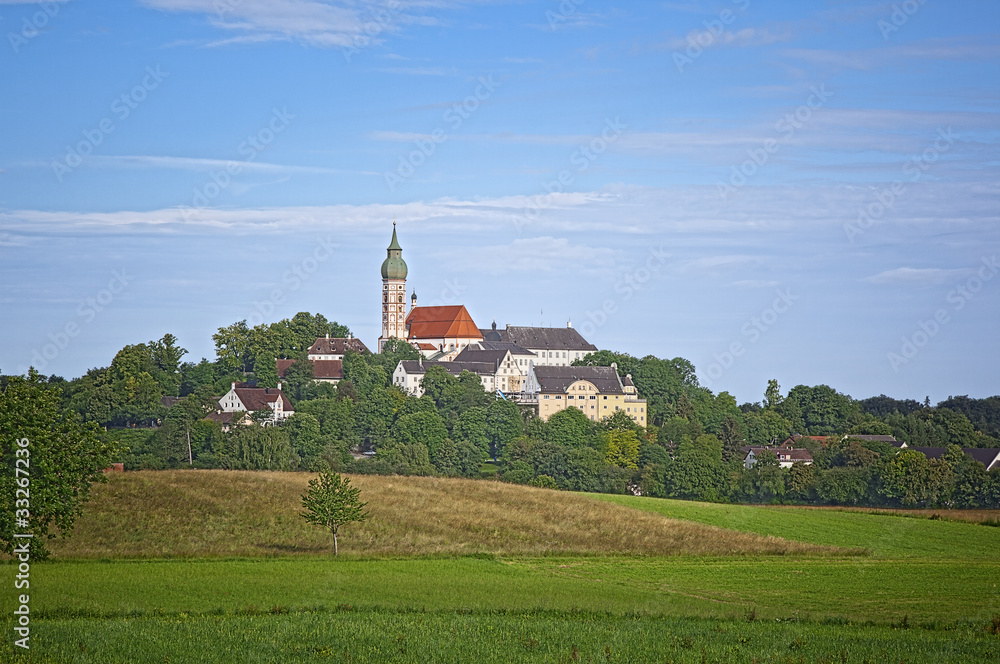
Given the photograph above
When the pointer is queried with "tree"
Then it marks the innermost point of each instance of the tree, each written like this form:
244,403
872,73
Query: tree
331,502
61,459
621,448
772,395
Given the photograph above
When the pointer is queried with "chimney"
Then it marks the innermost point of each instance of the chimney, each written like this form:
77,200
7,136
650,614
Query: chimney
569,324
279,385
233,386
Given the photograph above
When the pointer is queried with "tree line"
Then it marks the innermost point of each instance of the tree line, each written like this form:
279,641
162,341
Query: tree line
691,448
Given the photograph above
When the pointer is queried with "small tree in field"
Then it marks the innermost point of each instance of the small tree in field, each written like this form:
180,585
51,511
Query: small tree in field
331,502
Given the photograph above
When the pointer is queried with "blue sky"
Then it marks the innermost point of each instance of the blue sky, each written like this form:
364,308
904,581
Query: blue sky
800,191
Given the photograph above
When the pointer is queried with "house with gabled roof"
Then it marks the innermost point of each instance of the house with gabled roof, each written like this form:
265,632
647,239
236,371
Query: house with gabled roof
242,397
597,392
989,457
327,356
324,371
409,374
334,348
507,375
552,346
786,454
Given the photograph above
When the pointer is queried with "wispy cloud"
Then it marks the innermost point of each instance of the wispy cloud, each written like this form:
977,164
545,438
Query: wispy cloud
912,276
537,254
736,38
311,21
315,22
961,48
200,164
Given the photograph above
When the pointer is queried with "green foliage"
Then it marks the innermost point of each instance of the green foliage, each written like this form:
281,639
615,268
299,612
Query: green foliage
912,480
50,461
570,428
621,448
253,447
503,424
425,427
766,427
821,410
698,472
331,502
764,482
240,348
544,482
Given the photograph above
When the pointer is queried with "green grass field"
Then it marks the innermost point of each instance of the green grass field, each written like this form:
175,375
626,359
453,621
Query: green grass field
458,571
881,535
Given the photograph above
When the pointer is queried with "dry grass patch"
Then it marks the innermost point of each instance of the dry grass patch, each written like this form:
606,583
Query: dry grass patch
185,513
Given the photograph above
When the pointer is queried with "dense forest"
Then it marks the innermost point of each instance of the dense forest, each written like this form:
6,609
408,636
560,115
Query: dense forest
691,447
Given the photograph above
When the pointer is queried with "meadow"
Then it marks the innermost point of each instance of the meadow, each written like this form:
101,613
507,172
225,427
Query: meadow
218,566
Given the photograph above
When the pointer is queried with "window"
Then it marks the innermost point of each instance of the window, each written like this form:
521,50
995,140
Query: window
592,396
545,396
558,396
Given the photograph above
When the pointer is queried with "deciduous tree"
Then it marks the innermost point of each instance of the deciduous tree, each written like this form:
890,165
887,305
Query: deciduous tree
331,502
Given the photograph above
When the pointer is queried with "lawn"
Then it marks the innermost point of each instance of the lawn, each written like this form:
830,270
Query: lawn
880,534
368,637
215,566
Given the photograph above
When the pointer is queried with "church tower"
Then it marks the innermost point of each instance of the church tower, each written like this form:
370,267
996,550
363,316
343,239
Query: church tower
393,293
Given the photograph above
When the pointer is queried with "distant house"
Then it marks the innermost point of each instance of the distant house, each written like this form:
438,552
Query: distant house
876,439
989,457
787,455
794,438
327,356
245,398
409,374
324,371
552,346
597,392
507,374
334,348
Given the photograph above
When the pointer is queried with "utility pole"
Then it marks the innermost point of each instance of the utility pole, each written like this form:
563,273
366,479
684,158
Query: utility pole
190,458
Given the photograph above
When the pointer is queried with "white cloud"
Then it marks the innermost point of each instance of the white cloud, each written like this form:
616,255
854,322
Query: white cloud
322,23
536,254
912,276
201,164
312,21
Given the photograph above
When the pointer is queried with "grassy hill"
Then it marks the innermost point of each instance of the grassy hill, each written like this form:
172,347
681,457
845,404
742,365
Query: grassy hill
157,514
881,533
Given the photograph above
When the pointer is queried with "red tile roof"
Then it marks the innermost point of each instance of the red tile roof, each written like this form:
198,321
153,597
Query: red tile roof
337,346
261,398
446,322
322,369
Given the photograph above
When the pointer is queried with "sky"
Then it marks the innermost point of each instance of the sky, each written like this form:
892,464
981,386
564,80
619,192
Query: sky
799,191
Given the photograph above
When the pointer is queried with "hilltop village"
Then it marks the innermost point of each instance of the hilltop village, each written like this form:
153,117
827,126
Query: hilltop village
439,393
531,366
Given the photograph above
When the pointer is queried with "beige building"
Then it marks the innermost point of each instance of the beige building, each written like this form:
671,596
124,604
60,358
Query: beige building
597,392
